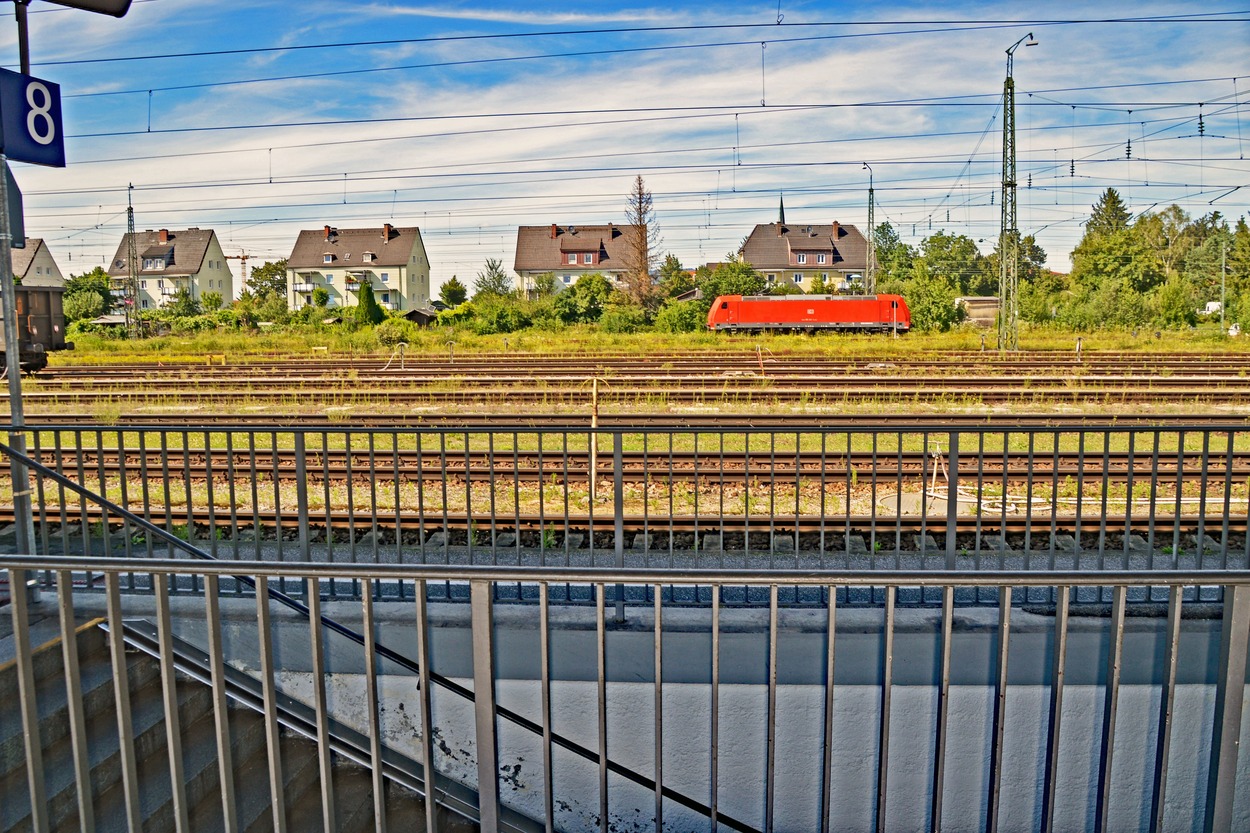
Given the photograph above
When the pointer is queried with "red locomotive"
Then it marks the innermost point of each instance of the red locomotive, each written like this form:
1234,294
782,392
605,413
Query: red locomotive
809,313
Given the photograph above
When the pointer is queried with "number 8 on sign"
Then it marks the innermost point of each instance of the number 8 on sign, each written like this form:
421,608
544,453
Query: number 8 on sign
30,120
39,123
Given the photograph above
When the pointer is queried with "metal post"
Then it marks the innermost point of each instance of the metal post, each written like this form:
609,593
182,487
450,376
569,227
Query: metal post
1229,693
484,705
618,499
23,514
952,498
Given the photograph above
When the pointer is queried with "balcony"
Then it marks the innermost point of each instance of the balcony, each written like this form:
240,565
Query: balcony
303,287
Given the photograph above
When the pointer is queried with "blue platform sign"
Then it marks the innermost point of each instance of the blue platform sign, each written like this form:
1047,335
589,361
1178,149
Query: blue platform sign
30,120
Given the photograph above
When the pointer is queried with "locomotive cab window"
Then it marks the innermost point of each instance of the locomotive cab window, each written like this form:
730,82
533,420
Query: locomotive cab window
724,305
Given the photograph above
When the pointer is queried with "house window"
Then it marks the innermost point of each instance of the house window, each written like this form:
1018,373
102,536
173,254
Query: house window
160,284
568,278
38,270
820,258
588,258
385,277
327,258
329,277
824,276
386,297
772,278
801,258
143,284
308,300
368,257
798,277
145,304
572,257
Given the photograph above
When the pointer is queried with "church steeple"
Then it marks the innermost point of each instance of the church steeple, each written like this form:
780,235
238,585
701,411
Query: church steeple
781,218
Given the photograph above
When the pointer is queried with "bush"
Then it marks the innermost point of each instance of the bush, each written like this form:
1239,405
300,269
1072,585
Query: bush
623,319
83,306
499,317
681,317
395,331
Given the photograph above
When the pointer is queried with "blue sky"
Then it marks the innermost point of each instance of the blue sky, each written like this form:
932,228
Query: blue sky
468,119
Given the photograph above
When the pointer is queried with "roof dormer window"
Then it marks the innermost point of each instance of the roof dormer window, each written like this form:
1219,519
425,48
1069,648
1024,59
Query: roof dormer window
328,257
367,257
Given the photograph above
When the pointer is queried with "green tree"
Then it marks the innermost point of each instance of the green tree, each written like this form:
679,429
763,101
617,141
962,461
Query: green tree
1115,258
453,293
211,301
894,257
584,301
83,305
368,311
1109,214
785,288
818,286
733,277
97,281
320,297
955,259
545,285
183,305
268,279
1169,235
492,280
674,280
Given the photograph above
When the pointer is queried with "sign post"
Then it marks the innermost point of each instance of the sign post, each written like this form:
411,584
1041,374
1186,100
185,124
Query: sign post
30,131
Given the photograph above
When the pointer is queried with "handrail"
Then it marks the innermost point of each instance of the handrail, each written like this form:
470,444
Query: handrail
173,566
651,575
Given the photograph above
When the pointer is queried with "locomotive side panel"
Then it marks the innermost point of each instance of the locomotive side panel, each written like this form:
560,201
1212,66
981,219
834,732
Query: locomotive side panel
813,312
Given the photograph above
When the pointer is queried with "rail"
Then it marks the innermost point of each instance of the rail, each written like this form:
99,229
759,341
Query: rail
694,773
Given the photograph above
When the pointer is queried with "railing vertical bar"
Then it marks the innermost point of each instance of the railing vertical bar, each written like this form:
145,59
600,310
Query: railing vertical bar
883,729
872,502
84,522
714,729
1163,744
602,666
826,781
846,541
1000,708
273,734
671,511
254,480
1130,472
1229,697
399,526
824,443
211,497
73,698
102,479
121,701
1028,500
1227,514
325,764
1203,476
721,514
373,704
1103,494
544,658
231,491
490,494
952,497
41,498
1080,488
898,509
169,700
1151,514
327,506
187,494
301,496
659,708
770,777
618,510
421,508
1176,510
1056,441
468,501
1111,702
221,706
944,689
442,471
425,706
165,488
20,611
349,441
1058,674
374,509
978,536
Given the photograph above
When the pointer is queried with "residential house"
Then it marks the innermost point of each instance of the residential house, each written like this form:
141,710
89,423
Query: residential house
168,262
568,252
391,260
798,253
35,266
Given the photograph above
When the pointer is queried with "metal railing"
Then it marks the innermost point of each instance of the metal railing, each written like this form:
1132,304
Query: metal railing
832,497
690,761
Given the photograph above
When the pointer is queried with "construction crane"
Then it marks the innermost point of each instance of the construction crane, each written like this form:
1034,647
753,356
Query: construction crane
242,257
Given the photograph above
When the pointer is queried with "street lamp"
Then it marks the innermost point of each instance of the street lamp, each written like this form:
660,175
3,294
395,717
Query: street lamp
1009,235
870,279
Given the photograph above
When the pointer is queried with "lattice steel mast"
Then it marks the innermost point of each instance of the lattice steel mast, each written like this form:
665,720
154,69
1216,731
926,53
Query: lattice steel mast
130,295
1009,235
870,272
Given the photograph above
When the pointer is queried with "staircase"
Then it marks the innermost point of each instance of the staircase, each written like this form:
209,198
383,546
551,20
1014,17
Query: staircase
352,784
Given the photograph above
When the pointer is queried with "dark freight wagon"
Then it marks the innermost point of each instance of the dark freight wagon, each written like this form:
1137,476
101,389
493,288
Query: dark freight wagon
40,326
808,313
